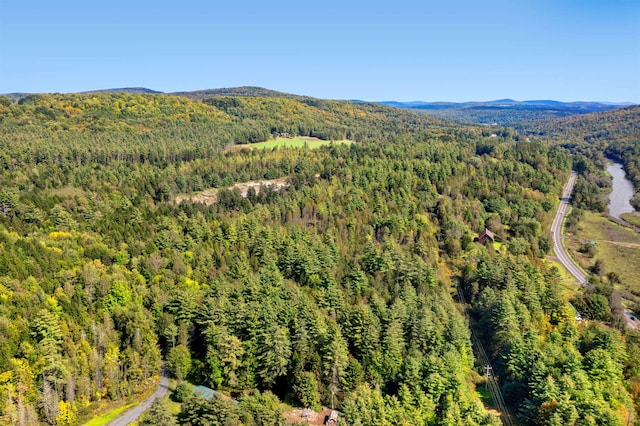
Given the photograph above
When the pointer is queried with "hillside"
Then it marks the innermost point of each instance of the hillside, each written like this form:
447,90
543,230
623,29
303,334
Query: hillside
503,112
333,287
132,90
594,139
607,125
98,111
250,91
615,134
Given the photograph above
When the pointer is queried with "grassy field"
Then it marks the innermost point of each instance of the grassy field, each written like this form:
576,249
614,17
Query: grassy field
632,218
616,246
297,142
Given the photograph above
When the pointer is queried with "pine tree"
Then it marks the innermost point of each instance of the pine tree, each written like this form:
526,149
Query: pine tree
158,415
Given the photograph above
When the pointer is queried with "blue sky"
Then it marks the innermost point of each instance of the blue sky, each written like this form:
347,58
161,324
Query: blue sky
397,50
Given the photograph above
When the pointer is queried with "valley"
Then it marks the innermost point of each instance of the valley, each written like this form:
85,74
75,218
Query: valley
291,252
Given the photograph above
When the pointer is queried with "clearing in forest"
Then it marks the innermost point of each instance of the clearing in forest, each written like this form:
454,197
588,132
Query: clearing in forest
294,142
210,196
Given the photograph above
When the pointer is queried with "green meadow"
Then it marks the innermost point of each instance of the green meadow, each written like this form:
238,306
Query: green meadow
616,246
298,142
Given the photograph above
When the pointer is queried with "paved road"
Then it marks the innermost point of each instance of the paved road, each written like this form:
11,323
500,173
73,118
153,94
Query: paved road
134,413
558,248
556,229
632,321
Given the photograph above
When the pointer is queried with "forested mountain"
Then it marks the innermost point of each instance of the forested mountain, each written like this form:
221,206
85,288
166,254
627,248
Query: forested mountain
337,287
236,91
14,97
133,90
503,112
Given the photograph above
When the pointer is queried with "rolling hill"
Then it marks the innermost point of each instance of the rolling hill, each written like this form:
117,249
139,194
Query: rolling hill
504,111
344,285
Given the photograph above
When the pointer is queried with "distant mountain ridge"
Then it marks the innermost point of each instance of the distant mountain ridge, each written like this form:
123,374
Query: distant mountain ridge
253,91
503,103
256,91
507,112
132,90
16,96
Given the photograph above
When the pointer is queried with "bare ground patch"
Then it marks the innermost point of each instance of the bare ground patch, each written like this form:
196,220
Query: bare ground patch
210,196
308,416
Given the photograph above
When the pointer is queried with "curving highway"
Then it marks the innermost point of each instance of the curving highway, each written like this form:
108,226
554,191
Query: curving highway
558,248
556,232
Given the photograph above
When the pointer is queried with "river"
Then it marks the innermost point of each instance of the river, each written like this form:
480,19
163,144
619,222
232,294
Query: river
621,193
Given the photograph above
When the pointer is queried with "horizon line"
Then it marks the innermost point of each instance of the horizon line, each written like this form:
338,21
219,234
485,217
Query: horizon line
159,92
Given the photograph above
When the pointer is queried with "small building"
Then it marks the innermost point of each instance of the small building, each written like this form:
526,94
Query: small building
204,392
486,235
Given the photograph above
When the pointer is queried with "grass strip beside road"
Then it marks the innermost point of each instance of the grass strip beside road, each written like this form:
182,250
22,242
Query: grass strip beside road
105,411
109,416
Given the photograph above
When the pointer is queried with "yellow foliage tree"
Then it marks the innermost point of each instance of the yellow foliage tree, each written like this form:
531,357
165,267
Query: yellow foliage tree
66,414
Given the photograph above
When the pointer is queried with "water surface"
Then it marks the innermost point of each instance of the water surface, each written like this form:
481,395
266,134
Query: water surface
621,193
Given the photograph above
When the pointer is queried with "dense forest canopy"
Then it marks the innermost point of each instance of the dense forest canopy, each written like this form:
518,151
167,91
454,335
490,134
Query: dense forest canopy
336,288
